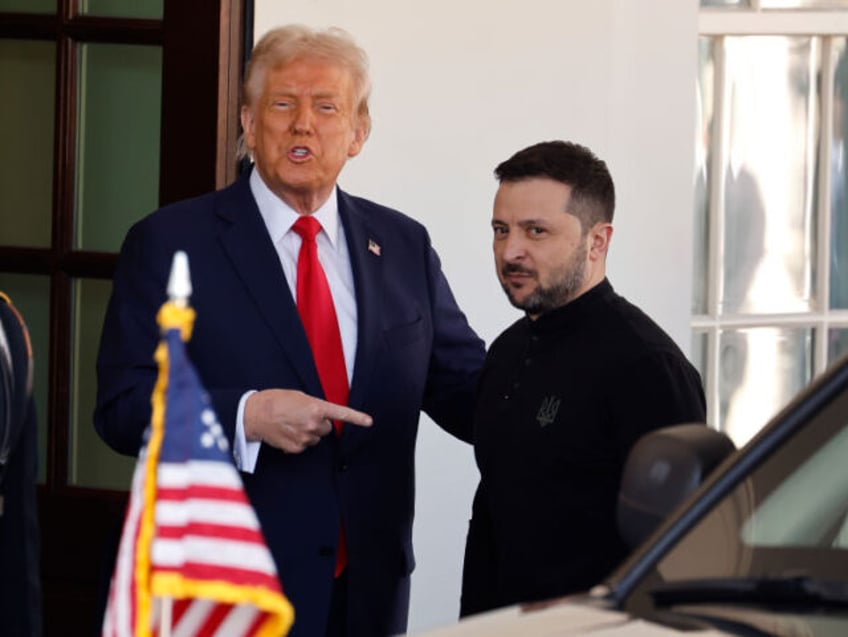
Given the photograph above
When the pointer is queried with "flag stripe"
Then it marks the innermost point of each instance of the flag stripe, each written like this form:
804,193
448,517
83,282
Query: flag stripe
237,622
204,550
120,614
202,492
175,475
193,619
224,532
205,511
214,618
214,573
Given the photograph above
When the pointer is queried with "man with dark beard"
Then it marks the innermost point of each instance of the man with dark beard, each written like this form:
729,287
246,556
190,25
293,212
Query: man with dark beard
565,391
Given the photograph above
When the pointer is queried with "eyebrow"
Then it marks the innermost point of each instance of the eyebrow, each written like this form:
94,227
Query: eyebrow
524,223
532,222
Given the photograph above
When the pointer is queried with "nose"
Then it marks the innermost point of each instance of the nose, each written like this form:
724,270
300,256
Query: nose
302,121
511,248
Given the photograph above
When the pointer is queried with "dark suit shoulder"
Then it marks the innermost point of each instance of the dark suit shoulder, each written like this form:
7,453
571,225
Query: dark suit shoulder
377,214
195,213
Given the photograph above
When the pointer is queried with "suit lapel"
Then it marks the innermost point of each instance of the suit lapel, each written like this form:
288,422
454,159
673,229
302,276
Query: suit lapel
364,246
251,253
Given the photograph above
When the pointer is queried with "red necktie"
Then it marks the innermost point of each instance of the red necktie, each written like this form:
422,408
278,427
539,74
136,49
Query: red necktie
318,315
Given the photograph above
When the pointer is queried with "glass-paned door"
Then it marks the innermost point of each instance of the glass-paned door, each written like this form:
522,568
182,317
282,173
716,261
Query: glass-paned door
96,119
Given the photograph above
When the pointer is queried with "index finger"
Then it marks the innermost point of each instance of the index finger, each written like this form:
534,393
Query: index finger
346,414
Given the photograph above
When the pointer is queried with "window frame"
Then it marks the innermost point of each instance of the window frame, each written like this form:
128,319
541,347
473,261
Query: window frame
720,22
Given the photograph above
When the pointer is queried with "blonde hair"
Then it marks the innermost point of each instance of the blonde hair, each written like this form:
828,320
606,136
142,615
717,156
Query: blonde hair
283,45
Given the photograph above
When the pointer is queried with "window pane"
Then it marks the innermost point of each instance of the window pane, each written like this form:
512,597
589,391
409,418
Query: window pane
151,9
28,6
761,369
770,174
837,343
704,97
839,168
804,4
92,463
118,152
26,154
727,4
31,295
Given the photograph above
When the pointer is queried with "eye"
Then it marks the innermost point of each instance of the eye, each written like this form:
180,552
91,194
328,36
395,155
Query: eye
536,231
327,107
500,231
282,104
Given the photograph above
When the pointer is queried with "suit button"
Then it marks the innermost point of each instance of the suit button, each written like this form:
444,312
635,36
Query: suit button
325,551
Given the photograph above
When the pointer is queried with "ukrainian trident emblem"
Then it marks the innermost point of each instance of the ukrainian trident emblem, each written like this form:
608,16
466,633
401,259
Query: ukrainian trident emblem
548,411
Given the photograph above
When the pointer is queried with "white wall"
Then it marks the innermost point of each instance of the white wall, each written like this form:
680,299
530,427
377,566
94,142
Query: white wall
459,85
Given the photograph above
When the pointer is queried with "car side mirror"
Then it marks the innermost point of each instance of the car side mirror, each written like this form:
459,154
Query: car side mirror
662,469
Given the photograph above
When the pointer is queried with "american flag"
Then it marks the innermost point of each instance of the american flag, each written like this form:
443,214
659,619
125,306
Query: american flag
192,558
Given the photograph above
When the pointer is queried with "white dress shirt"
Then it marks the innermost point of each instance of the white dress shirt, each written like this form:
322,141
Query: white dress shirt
333,254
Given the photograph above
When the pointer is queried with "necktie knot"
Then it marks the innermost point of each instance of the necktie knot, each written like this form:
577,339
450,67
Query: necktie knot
307,227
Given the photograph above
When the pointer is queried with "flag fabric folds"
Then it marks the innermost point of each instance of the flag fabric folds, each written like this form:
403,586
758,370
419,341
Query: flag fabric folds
192,559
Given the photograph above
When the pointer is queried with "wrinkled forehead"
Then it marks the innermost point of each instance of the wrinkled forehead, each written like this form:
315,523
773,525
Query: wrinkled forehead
261,74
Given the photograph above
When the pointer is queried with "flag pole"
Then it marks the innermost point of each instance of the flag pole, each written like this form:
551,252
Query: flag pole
179,292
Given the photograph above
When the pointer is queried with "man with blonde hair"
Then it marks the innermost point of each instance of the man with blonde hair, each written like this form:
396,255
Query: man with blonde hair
313,307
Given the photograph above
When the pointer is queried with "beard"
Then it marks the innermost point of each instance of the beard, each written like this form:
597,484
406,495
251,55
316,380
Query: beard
567,280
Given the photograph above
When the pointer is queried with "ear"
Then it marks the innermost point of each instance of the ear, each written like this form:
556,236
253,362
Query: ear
599,239
247,126
360,134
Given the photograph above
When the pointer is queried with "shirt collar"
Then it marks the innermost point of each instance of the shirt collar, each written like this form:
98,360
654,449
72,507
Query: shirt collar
279,217
583,305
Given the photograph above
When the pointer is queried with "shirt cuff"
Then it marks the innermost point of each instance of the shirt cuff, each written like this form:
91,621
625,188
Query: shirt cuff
245,453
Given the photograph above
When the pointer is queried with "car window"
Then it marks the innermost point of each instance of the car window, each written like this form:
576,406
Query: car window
788,517
815,493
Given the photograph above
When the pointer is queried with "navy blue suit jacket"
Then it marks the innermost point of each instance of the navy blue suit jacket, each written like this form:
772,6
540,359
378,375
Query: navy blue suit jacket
415,351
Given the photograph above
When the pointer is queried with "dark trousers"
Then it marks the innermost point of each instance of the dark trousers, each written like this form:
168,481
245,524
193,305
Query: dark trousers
337,621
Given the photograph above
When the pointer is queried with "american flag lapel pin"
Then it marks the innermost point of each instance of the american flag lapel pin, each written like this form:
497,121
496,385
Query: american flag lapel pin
373,247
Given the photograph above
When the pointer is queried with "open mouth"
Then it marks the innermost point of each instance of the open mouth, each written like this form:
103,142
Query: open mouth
299,153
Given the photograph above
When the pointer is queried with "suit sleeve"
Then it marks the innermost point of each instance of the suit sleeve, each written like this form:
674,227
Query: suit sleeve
126,370
456,359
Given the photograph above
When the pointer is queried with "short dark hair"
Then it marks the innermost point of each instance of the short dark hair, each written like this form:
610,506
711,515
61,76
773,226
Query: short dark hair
592,191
